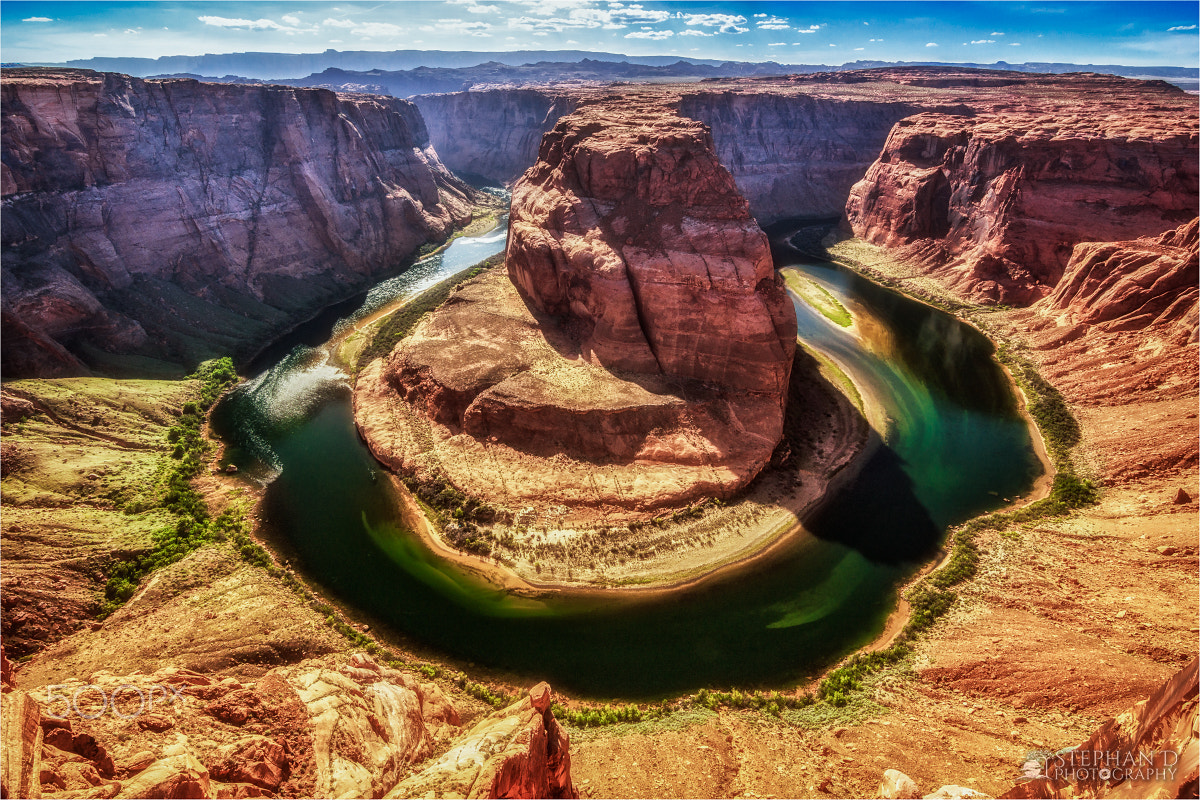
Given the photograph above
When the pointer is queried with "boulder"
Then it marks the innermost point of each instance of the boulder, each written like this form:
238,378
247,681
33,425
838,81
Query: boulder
897,785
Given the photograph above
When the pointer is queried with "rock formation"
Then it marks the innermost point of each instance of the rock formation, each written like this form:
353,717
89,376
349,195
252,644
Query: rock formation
321,728
1122,286
637,238
180,220
519,751
639,356
995,203
1151,750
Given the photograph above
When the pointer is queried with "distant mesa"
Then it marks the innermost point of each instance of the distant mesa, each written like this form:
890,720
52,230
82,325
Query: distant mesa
635,355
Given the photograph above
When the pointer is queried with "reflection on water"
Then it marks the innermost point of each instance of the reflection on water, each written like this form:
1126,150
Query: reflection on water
950,441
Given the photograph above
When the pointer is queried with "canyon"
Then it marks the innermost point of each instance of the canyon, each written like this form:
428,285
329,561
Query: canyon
1069,201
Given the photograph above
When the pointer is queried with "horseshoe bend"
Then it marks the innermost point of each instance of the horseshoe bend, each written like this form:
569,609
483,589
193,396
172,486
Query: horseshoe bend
842,424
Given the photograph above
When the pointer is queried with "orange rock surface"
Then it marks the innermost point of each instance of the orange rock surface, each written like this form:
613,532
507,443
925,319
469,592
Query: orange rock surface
995,203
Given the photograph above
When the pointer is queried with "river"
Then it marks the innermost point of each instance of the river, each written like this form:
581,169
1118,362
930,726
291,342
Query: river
953,446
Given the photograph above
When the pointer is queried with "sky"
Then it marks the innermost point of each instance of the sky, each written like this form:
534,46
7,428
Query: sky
1133,33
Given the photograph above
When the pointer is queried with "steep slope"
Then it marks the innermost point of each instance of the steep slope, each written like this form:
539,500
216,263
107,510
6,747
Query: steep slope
795,155
179,220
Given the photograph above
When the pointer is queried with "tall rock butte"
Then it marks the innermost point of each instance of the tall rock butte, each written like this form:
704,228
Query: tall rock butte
636,354
180,220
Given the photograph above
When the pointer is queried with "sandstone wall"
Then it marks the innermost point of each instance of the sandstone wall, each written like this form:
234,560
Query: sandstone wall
794,155
997,203
491,134
183,220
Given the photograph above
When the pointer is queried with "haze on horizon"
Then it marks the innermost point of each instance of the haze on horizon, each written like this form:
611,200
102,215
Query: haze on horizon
1131,33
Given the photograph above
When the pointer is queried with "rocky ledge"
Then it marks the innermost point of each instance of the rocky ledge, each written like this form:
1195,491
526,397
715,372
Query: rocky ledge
635,356
994,203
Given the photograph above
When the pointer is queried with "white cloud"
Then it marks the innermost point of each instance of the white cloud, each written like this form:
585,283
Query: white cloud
694,32
47,19
132,31
761,16
983,41
931,44
996,33
860,48
727,23
833,45
237,22
776,44
291,19
1173,28
1014,44
772,23
467,27
875,40
648,34
615,17
262,24
339,23
371,30
481,9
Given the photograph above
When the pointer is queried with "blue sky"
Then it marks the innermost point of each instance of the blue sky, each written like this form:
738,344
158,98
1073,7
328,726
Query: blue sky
1136,33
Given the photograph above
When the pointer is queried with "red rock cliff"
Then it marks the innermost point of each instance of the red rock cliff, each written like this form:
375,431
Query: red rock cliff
995,203
182,220
636,237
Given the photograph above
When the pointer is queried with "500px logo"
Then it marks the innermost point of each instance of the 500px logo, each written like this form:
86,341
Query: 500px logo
91,701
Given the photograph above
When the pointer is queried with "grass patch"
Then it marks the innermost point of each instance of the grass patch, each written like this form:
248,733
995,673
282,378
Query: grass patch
819,298
401,323
192,528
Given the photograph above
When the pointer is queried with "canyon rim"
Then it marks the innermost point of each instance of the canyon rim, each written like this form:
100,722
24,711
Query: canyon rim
814,431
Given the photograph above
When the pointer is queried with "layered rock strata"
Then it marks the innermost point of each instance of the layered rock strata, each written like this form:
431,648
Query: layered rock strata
322,728
795,155
1148,283
180,220
492,134
996,203
636,355
518,751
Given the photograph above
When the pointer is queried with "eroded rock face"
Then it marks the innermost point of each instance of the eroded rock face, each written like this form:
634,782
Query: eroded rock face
519,751
635,356
795,155
322,728
638,239
1151,749
492,134
327,728
1122,286
996,203
183,220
